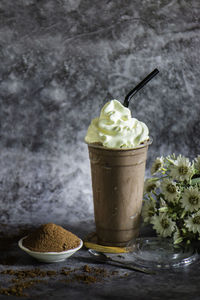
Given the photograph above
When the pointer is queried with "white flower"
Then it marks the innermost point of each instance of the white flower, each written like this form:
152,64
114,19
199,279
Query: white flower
197,163
193,223
148,210
150,184
191,199
170,190
181,169
163,225
157,165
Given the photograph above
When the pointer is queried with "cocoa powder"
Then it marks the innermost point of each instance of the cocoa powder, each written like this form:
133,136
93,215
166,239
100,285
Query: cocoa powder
51,238
27,279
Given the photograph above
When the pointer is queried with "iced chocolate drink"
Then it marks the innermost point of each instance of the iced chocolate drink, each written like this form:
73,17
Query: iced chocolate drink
117,147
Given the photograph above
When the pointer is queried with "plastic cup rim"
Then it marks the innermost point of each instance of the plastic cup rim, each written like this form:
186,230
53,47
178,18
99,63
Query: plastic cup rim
145,144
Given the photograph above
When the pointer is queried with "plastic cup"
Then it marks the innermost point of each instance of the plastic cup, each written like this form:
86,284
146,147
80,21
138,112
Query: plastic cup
117,183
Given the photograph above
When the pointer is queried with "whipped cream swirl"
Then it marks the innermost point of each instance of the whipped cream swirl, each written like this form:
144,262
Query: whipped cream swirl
115,128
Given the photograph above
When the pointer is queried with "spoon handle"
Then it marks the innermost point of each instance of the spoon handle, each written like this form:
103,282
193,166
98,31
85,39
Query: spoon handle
135,268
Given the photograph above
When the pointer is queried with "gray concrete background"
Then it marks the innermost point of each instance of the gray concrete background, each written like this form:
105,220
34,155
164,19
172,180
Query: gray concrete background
60,62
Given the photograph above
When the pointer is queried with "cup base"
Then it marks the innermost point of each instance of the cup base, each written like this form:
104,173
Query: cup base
91,242
116,238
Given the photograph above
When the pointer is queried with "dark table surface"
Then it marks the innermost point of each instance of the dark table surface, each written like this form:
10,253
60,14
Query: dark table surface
91,280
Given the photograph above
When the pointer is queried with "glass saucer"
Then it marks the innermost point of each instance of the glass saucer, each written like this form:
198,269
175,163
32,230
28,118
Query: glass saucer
154,252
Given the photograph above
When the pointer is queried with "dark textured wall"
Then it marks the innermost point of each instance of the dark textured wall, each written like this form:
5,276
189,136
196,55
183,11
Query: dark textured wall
60,61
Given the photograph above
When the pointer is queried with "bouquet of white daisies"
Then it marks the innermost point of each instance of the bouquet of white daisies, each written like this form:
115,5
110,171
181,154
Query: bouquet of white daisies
172,198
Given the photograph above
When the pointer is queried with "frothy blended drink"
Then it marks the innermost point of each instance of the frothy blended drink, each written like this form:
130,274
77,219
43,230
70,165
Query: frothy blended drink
117,146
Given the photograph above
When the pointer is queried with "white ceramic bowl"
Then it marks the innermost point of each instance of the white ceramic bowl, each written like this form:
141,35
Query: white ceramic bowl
49,257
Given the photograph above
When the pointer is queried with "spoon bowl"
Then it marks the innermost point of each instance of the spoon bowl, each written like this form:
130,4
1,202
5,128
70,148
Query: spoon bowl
98,255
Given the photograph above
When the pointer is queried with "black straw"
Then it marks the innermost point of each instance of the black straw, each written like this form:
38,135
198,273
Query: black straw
139,86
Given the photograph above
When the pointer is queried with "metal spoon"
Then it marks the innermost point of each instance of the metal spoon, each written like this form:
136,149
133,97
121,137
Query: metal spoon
107,259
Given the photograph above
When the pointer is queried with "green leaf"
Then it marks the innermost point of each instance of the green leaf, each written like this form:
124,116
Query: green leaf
174,215
153,179
178,241
183,214
151,198
183,230
163,209
195,180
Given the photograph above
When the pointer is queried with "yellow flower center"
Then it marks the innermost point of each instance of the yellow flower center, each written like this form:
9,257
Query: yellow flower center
196,220
194,200
183,170
165,223
157,166
151,187
171,188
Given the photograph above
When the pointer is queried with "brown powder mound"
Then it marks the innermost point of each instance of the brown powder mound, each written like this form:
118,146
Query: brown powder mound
51,238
